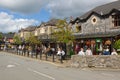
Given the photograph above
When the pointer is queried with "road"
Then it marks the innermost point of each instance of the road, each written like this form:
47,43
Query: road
13,67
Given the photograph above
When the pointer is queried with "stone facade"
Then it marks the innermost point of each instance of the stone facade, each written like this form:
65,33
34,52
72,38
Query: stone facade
96,61
89,27
101,25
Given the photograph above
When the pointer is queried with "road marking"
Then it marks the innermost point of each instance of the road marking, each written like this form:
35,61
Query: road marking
10,66
42,74
106,74
15,63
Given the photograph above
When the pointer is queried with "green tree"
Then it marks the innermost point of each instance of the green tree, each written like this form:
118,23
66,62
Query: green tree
33,40
17,39
1,36
10,32
63,33
117,44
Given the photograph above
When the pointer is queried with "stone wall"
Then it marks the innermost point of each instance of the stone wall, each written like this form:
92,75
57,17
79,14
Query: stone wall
96,61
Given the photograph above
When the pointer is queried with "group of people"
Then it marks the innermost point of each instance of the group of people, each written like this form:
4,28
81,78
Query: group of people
89,52
107,52
59,51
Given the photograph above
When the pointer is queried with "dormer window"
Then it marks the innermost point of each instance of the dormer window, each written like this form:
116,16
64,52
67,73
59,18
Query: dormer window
78,27
116,20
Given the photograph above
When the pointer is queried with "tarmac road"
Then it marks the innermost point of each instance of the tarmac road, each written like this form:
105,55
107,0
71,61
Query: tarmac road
13,67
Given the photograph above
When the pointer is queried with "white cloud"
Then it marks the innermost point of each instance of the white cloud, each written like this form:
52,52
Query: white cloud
9,24
67,8
57,8
23,6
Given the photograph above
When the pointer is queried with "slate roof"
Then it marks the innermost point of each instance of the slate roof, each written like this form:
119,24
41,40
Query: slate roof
96,35
52,22
30,28
8,36
101,10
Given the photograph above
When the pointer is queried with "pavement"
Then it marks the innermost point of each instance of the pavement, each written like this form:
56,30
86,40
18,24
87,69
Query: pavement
14,67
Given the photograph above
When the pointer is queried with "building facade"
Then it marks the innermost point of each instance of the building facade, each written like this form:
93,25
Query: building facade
25,33
98,28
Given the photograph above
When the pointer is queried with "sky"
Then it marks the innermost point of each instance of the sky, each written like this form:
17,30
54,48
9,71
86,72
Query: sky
17,14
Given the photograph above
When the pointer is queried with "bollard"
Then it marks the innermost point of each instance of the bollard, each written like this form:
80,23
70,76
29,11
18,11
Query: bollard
61,60
28,53
46,56
53,57
36,54
40,55
31,54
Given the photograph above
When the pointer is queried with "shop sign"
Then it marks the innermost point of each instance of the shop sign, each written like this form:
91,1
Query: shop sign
98,40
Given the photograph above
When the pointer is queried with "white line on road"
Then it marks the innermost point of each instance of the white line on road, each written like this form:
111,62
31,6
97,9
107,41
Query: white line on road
15,63
42,74
10,66
106,74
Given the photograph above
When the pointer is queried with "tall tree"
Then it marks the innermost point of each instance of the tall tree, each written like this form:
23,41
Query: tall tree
17,39
32,40
1,36
63,33
10,32
117,44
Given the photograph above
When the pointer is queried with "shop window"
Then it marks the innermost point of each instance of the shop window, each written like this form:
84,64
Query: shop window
116,20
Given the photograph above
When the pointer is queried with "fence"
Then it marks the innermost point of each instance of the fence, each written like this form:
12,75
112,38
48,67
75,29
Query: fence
42,56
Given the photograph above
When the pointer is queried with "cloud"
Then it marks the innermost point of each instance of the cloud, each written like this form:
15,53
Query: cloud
67,8
57,8
23,6
9,24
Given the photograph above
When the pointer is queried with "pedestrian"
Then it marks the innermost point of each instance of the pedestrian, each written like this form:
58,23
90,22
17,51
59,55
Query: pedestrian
49,51
106,52
37,50
30,50
77,48
81,52
88,51
61,53
114,52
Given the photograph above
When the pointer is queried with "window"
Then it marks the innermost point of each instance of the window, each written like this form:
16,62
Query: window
78,27
116,20
94,20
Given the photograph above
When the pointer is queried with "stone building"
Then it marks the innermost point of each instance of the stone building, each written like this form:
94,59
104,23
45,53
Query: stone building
99,27
25,33
45,30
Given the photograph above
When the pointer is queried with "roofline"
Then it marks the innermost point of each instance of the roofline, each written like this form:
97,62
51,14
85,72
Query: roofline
95,13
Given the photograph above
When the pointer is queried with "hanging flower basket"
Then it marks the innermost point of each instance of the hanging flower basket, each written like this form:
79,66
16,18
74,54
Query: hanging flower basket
108,42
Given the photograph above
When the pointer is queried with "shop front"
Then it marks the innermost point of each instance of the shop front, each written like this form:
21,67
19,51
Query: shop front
96,42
